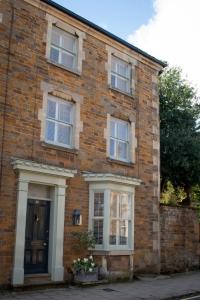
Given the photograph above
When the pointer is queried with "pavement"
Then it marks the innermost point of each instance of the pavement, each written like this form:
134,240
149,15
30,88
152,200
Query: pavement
178,286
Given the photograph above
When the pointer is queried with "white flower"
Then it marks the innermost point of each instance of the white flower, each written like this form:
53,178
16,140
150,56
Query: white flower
78,259
74,261
85,259
91,257
92,264
90,269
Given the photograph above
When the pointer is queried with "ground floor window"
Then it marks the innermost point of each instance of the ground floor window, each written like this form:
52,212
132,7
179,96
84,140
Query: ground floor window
112,216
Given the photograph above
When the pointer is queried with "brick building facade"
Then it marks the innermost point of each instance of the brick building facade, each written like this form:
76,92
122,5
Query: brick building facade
79,134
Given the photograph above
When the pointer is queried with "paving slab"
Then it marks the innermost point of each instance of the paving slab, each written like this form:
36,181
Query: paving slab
147,287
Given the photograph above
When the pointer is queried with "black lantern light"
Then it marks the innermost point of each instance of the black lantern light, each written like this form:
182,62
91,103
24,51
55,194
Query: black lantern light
77,217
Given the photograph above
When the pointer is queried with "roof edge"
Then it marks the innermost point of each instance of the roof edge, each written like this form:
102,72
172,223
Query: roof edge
100,29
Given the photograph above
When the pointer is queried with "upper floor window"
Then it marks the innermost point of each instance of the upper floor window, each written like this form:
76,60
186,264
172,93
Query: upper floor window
120,75
63,49
59,122
119,139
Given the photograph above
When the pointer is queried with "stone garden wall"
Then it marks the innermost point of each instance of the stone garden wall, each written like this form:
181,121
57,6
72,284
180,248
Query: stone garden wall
180,239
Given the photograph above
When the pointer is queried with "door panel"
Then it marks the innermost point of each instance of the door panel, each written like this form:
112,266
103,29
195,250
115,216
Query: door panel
37,237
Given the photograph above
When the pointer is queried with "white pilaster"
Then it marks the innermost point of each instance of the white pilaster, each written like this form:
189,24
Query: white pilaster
57,271
18,271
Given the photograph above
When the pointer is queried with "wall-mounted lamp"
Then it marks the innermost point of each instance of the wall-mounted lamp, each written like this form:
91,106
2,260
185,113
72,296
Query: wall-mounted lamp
77,217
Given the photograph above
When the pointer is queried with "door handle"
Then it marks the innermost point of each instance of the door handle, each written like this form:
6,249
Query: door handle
44,244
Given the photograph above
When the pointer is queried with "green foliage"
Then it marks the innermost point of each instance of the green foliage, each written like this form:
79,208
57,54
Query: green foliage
180,138
83,240
172,196
196,197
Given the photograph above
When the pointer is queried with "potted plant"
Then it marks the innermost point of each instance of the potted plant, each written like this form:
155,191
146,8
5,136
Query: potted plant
85,270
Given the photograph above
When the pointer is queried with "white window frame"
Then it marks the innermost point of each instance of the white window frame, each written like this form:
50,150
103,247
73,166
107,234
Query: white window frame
107,188
61,50
117,75
56,121
68,29
117,140
127,58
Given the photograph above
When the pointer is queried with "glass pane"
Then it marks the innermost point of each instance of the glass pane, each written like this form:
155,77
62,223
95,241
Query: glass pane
122,84
123,69
122,131
67,60
112,147
113,232
112,128
55,38
113,80
54,54
113,64
51,109
50,130
64,134
98,204
122,150
65,113
113,204
123,232
68,43
124,209
98,231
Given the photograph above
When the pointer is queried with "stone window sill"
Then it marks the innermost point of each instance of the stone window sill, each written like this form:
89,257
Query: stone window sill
56,147
76,72
112,252
121,92
120,162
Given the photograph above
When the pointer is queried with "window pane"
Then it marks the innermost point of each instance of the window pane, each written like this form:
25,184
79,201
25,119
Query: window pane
55,39
123,232
123,69
113,64
122,150
65,112
64,134
67,60
113,232
112,128
51,109
54,54
98,231
98,204
50,130
68,43
122,131
113,204
113,80
122,84
124,209
112,147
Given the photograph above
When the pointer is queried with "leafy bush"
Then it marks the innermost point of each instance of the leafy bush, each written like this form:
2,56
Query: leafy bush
83,240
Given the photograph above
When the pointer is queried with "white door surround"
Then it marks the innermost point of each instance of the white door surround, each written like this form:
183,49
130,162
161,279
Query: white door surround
32,172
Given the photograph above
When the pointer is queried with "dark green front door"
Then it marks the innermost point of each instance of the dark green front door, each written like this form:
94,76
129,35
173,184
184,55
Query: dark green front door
37,237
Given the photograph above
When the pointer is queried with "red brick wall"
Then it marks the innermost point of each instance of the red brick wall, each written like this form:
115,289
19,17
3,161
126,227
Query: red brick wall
27,69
